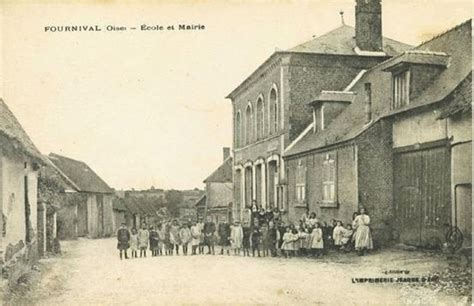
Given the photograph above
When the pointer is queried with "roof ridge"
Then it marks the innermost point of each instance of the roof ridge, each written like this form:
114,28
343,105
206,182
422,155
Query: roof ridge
444,32
313,37
66,157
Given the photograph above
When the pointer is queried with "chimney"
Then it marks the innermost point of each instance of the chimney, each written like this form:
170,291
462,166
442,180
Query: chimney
226,152
368,102
369,25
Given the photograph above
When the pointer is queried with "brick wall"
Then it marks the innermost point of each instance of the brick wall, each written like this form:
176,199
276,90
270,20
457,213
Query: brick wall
375,177
309,74
346,185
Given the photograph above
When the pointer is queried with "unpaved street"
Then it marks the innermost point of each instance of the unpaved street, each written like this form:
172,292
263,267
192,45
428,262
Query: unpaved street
90,272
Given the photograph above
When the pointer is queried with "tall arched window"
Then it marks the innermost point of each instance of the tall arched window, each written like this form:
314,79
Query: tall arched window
238,130
248,124
274,111
260,118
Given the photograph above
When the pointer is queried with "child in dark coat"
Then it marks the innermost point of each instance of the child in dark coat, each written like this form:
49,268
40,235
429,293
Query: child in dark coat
255,237
246,241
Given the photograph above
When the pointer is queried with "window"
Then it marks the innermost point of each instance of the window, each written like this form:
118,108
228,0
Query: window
401,89
329,179
318,119
238,130
260,118
274,111
248,125
300,182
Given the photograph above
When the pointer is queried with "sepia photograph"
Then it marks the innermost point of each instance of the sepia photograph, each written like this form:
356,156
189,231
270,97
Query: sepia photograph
243,152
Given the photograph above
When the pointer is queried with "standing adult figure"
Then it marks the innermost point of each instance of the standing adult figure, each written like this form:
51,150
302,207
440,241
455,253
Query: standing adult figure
123,239
363,235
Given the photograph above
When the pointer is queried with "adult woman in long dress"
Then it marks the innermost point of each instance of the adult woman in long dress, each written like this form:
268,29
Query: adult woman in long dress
236,237
363,236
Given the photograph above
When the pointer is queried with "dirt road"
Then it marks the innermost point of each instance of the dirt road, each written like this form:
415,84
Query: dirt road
90,272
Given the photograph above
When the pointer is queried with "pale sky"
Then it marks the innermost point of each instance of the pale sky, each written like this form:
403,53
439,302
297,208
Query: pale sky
148,108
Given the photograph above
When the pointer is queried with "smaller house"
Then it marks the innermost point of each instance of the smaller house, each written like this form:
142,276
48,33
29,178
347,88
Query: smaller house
20,162
88,209
51,197
219,192
120,213
397,141
200,206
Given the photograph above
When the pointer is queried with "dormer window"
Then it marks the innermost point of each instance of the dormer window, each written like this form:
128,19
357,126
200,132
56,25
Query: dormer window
401,89
412,71
327,106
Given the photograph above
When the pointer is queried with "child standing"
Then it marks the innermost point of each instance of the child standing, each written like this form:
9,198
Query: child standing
302,235
153,241
255,237
134,242
287,245
246,241
123,238
273,238
195,237
346,240
264,240
317,242
337,234
143,237
185,237
161,238
308,241
236,237
296,240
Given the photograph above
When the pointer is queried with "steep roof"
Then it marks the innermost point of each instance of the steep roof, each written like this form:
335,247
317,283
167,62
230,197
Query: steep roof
460,101
12,130
351,122
80,174
119,204
201,201
341,41
223,174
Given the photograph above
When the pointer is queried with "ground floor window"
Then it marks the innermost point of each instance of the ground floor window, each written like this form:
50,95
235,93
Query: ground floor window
329,178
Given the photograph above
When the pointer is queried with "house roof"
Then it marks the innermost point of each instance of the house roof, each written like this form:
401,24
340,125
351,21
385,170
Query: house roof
351,121
201,201
460,101
12,130
80,174
119,204
341,41
223,174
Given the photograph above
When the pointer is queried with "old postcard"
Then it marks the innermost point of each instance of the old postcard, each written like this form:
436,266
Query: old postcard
313,152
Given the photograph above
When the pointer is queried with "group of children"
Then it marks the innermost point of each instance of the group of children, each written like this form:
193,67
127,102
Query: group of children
265,236
166,239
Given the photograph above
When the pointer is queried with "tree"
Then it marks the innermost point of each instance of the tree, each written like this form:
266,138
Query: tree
173,199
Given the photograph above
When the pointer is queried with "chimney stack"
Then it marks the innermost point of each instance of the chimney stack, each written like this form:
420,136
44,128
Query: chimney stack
226,152
369,25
